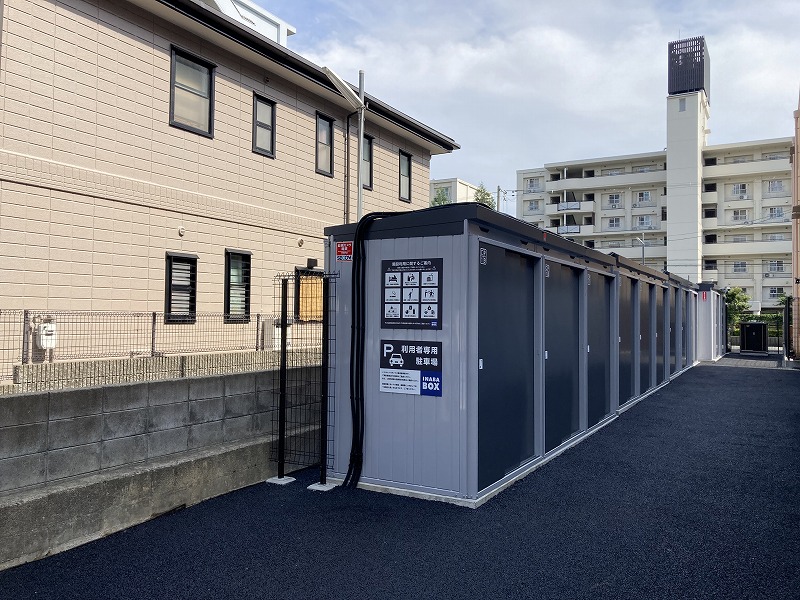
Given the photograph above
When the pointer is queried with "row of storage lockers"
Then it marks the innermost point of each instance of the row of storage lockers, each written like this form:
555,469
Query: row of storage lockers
541,341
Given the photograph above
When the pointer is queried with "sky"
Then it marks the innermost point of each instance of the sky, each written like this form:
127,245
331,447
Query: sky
521,83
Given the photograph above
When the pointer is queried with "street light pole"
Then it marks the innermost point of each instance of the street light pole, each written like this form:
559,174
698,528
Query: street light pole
641,241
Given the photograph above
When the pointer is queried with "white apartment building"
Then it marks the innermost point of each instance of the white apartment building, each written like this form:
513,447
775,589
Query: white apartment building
456,190
704,212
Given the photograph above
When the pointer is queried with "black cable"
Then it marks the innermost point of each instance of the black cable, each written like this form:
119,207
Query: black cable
357,346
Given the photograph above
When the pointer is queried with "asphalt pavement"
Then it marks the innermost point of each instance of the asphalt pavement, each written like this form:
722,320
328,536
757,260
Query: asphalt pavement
692,493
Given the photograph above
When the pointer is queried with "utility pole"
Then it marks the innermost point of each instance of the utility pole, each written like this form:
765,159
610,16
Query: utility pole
498,199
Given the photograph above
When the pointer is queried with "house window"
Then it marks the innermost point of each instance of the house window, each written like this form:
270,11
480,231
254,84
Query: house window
324,145
740,214
532,185
740,267
710,213
263,126
366,164
644,222
180,304
405,176
776,266
308,295
776,212
643,196
614,223
710,265
237,286
775,185
740,190
775,293
191,97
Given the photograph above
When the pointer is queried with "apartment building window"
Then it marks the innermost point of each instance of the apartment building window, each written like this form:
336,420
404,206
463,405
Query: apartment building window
614,171
324,145
555,199
740,191
776,266
533,185
405,176
739,239
555,223
775,293
588,197
711,238
774,237
588,173
710,161
740,214
681,104
180,303
614,244
263,126
709,187
366,164
643,196
663,213
774,155
775,212
614,223
740,159
589,243
644,222
237,286
710,212
613,200
710,265
191,98
774,186
739,267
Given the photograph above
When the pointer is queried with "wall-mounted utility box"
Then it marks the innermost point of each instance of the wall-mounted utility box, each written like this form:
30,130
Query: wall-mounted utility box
46,335
490,346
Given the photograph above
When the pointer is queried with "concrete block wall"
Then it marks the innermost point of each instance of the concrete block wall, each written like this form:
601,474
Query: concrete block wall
50,436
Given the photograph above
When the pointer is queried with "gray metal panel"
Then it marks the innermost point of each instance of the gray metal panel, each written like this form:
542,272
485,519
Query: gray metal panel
562,341
645,338
673,331
506,333
599,347
626,333
410,440
684,329
661,338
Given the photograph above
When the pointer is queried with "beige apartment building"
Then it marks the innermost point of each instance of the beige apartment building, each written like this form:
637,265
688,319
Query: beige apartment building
708,213
163,156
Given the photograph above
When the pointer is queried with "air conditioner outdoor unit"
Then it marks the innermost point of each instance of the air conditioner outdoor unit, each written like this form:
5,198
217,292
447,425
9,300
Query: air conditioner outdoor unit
635,205
767,275
742,197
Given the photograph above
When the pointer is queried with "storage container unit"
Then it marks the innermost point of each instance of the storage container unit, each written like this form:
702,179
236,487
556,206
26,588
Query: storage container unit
482,347
710,323
753,338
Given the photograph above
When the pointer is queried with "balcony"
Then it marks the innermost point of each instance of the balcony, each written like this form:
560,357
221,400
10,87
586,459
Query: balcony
570,230
586,206
756,167
658,178
757,247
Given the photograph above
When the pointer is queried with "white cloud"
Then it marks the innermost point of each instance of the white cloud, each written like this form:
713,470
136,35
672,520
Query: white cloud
520,83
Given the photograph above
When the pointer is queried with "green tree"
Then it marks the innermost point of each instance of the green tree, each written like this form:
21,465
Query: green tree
484,196
440,198
737,303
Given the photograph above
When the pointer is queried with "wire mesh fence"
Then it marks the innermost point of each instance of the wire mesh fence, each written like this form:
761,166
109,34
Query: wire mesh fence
303,419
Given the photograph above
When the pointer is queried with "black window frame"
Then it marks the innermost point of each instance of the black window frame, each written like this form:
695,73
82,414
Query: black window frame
174,53
330,121
369,139
256,123
407,156
227,316
190,317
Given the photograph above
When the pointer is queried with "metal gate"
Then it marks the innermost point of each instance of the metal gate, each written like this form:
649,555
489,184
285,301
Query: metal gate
304,333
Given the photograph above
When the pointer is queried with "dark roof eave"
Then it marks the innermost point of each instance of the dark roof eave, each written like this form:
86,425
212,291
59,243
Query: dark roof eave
253,41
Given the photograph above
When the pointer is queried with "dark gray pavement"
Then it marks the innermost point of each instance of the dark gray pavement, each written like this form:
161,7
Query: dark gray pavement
693,493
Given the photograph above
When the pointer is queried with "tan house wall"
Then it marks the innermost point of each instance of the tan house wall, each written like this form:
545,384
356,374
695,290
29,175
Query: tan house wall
95,183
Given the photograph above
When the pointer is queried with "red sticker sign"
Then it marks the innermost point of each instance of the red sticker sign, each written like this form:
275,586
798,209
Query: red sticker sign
344,251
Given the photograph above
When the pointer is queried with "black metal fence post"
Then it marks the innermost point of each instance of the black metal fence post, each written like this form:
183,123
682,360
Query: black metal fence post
26,349
282,397
153,335
258,329
323,425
